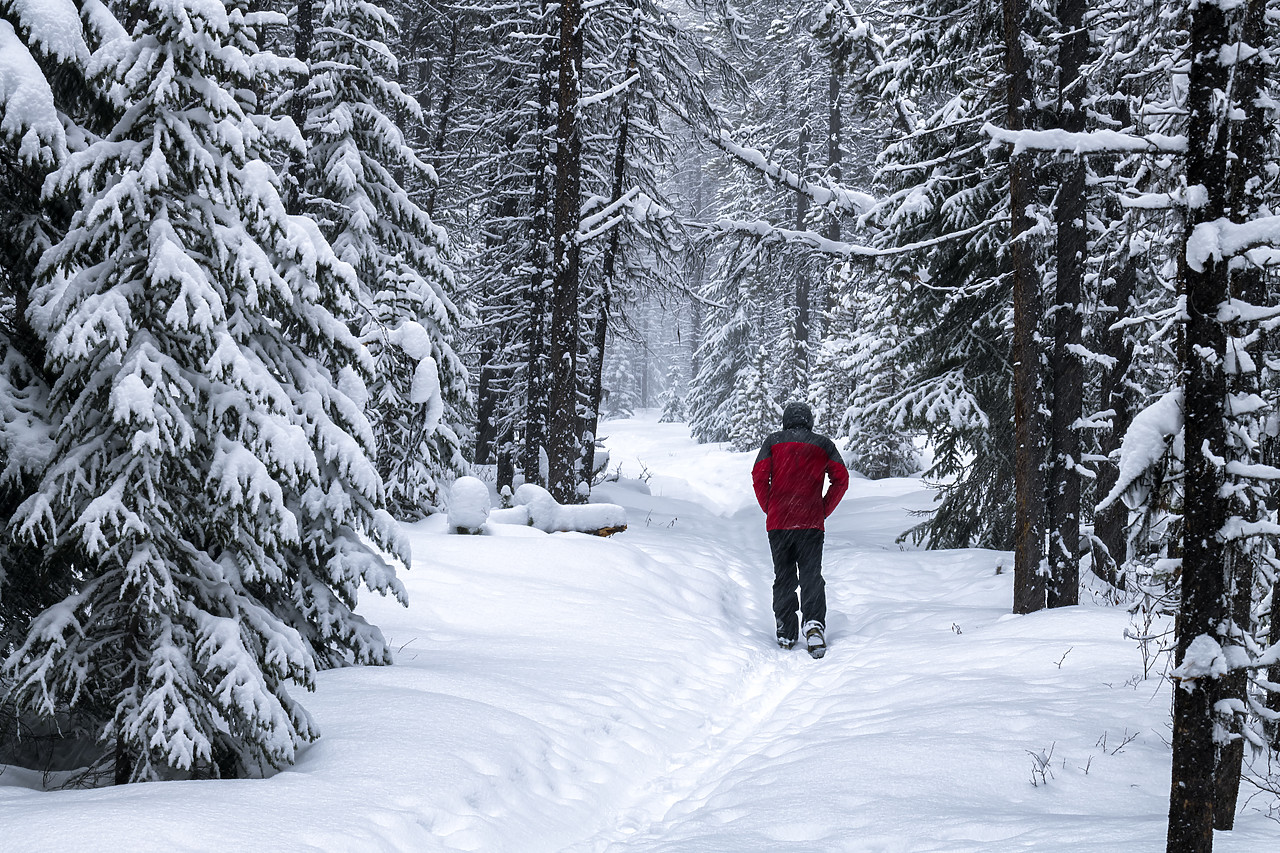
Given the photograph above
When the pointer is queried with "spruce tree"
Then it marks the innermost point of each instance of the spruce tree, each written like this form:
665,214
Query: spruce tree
211,480
358,164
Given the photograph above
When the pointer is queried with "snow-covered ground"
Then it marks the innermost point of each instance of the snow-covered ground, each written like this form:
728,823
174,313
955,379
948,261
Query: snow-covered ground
563,692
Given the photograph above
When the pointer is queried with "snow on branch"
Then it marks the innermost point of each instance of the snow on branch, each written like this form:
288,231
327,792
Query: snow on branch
1221,239
828,195
1088,142
1145,442
27,112
772,233
608,93
606,217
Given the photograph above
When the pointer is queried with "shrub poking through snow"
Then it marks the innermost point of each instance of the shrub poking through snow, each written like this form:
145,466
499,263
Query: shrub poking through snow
468,505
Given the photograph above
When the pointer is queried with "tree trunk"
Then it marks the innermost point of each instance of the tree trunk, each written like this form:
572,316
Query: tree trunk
304,36
1203,347
541,266
486,404
563,441
1028,392
835,133
803,285
446,104
595,378
1109,524
1246,170
1068,321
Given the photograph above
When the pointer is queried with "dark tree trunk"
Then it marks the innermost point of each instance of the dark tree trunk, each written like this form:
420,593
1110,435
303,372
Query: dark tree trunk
535,426
835,133
1273,671
803,284
698,262
486,405
1202,347
303,38
446,104
123,762
563,442
595,378
1068,321
1246,170
1028,391
1109,523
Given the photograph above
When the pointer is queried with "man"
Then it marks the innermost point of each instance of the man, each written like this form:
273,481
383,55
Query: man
789,477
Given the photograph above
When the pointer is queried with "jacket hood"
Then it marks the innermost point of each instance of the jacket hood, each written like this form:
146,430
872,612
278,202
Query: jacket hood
797,414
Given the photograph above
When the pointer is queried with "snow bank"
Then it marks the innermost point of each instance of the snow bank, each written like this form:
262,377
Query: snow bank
468,505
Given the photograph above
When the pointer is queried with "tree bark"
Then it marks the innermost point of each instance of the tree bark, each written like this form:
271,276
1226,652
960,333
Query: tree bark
1202,350
563,441
1028,392
595,378
835,134
1246,172
304,36
1109,523
534,438
1068,321
803,290
446,104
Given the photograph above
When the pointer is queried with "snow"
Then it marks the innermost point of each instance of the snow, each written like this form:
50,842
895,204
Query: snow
468,503
1146,441
27,112
1221,238
547,515
1091,142
571,693
1204,657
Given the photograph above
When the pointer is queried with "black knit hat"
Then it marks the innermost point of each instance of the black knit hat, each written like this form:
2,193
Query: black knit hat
797,414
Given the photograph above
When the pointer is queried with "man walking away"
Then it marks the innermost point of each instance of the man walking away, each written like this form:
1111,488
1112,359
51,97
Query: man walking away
789,477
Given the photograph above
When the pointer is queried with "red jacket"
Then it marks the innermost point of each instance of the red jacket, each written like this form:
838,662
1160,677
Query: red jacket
788,478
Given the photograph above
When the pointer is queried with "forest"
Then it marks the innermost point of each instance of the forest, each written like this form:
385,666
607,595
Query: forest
273,274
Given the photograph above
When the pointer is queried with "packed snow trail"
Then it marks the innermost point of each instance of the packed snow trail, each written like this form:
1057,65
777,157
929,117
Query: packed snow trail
567,693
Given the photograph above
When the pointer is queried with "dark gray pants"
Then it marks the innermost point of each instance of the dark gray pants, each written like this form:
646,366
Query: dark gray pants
797,561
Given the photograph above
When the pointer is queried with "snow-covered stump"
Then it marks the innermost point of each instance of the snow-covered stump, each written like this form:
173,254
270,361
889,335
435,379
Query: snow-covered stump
534,506
468,506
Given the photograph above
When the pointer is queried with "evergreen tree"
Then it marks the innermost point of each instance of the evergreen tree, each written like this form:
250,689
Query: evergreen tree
754,405
357,164
672,401
211,480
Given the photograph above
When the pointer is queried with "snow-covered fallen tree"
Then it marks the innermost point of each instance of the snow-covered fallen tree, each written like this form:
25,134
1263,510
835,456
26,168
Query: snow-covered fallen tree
535,507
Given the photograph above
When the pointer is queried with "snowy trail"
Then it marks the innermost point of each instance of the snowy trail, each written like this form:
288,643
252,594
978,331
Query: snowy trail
567,693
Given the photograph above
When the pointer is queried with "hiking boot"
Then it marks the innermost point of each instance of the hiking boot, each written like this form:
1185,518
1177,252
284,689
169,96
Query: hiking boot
814,639
786,642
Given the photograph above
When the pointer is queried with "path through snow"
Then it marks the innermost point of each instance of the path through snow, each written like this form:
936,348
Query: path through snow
566,693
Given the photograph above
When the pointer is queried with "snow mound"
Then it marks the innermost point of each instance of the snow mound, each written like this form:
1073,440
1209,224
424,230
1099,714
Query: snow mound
468,504
535,507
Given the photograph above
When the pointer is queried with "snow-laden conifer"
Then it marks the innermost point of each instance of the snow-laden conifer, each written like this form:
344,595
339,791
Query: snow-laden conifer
211,480
47,109
358,165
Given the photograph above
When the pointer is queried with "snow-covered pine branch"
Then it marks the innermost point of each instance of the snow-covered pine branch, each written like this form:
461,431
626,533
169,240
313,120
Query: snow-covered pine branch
823,193
1087,142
